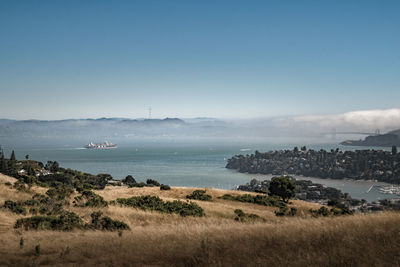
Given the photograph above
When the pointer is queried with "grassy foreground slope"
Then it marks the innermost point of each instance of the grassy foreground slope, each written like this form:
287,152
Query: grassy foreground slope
159,239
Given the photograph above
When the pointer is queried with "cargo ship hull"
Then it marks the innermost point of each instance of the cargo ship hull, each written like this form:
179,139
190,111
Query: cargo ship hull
105,145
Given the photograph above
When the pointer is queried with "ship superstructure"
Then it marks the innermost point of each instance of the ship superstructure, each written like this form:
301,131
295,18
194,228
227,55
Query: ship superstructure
104,145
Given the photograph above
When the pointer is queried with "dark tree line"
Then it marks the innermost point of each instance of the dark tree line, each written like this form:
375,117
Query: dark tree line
360,164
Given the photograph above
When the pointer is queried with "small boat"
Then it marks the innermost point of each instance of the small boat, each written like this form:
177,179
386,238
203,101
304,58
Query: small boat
104,145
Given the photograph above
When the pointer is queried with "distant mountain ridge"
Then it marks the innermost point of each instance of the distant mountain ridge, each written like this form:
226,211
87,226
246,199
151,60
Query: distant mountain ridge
385,140
98,119
110,128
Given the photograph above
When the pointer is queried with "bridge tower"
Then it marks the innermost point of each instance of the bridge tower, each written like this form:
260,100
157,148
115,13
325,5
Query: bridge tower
334,133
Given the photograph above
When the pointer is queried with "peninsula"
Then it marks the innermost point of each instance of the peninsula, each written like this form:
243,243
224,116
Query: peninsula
384,140
377,165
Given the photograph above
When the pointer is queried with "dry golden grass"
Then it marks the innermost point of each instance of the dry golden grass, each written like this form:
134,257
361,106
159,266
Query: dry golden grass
158,239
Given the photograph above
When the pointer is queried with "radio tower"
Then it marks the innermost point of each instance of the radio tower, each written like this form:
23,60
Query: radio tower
149,113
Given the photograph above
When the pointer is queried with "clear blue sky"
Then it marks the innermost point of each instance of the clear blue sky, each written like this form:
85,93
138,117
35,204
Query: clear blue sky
78,59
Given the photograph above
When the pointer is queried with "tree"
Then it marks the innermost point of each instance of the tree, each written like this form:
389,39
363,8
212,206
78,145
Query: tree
31,171
52,166
12,166
283,187
394,150
12,156
129,180
3,165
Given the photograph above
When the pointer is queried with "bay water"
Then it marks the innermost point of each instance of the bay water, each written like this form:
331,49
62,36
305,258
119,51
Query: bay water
188,165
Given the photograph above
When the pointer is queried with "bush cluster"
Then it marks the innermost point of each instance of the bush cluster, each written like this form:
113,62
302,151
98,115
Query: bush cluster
243,217
67,221
64,222
60,192
89,199
165,187
76,179
157,204
284,211
153,182
324,211
129,180
141,184
199,195
106,223
16,207
132,182
21,186
339,208
264,200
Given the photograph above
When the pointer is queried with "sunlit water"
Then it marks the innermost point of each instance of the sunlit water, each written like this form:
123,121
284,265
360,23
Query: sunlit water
182,165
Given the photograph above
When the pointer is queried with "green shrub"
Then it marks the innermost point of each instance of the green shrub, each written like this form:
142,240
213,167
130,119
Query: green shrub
243,217
165,187
15,207
129,180
157,204
152,182
21,186
292,211
257,199
141,184
323,211
64,222
106,223
199,195
8,184
90,199
55,179
30,202
339,208
42,199
239,215
60,192
281,212
33,211
83,187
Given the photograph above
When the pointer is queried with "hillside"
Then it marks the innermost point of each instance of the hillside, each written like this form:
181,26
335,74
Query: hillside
160,239
385,140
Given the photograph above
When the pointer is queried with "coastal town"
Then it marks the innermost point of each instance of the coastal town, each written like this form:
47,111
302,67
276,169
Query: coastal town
379,165
313,192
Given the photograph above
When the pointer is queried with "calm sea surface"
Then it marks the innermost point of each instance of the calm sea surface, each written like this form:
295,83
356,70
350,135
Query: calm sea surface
181,165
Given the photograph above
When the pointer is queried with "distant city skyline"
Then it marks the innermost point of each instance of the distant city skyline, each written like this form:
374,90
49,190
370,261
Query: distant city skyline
186,59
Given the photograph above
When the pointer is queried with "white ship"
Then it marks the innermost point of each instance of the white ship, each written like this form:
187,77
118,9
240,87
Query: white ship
104,145
391,190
